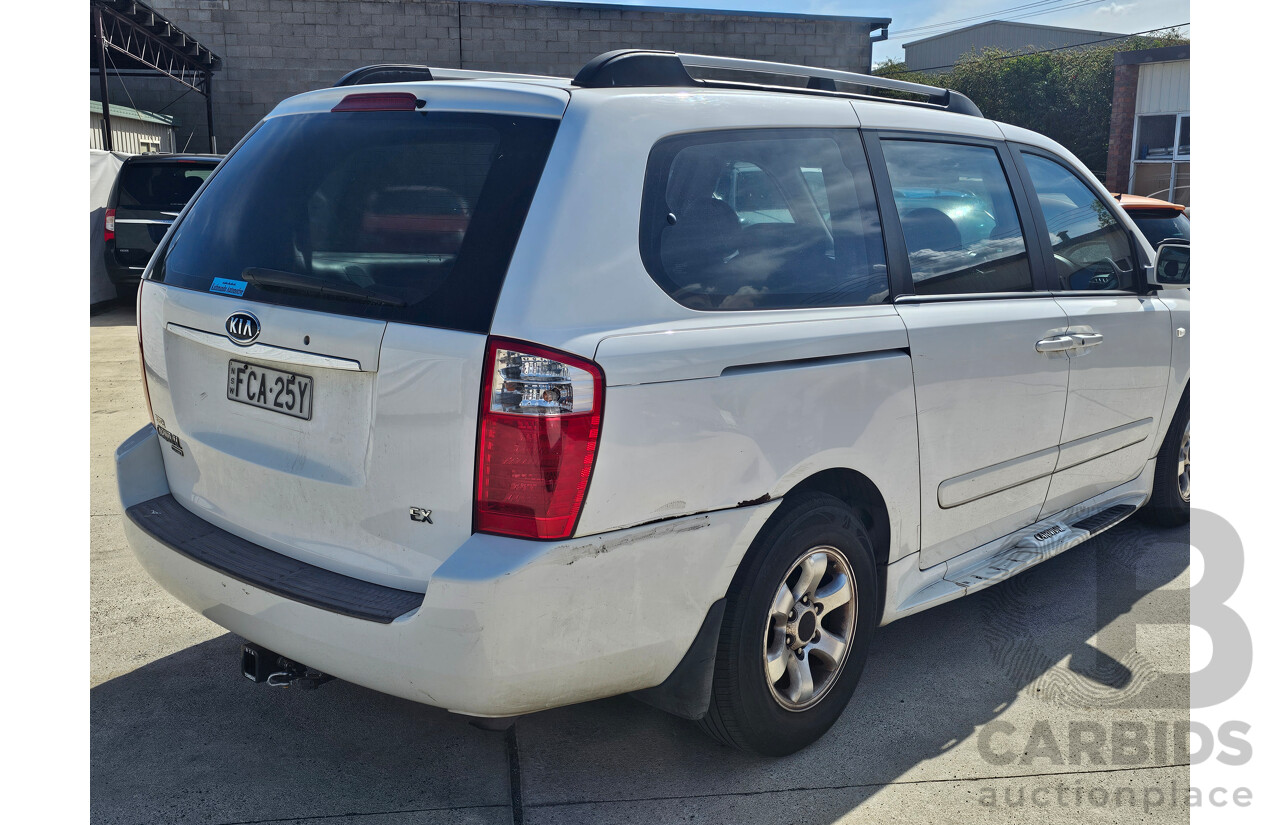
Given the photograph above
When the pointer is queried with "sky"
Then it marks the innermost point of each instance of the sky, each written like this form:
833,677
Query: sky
909,16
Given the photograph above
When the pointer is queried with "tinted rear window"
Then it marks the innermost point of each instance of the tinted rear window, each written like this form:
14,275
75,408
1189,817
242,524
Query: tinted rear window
160,186
420,210
1162,224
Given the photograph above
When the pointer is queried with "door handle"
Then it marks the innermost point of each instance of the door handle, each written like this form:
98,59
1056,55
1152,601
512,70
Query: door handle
1087,339
1056,343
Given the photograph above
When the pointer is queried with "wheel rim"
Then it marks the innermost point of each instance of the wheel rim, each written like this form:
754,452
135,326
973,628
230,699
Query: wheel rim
809,630
1184,464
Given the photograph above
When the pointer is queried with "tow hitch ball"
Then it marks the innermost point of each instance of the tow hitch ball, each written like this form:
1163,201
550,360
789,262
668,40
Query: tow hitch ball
265,667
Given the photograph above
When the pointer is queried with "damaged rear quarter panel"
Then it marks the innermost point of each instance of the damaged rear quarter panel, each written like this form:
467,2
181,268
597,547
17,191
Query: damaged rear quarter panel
577,620
830,393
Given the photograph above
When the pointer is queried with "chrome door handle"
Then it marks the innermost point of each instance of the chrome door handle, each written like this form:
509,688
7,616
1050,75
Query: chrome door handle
1056,343
1087,339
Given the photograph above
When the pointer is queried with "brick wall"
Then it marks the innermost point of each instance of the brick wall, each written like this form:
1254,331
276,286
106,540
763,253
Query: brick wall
1120,140
272,49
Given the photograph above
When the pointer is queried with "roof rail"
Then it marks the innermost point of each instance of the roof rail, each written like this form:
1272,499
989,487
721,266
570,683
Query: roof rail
645,67
407,73
385,73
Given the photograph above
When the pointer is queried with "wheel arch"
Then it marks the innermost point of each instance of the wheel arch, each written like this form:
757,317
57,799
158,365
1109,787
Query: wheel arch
687,690
867,502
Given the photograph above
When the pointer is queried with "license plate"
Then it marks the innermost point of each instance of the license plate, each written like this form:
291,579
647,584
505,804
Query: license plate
275,390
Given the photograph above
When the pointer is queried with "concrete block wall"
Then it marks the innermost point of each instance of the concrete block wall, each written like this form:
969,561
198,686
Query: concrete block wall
272,49
559,40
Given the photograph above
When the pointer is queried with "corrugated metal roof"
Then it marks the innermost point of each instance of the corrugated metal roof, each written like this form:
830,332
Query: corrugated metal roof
872,22
129,112
1019,23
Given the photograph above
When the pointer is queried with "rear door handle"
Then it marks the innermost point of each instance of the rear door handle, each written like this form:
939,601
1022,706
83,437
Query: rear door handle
1056,343
1087,339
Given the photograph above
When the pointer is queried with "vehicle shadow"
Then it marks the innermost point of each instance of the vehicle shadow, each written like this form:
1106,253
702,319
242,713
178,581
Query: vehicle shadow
187,737
117,312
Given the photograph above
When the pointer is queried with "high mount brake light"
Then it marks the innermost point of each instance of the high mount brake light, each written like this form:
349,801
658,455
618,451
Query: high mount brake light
378,102
539,432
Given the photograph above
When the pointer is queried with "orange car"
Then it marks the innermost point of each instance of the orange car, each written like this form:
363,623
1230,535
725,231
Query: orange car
1158,220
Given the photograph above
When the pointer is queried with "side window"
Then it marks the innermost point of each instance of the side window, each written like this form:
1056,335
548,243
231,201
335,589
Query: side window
763,219
958,218
1091,249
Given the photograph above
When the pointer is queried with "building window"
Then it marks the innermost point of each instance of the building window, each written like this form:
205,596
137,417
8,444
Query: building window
1162,157
146,146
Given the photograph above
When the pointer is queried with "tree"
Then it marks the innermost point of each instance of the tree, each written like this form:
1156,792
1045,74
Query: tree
1064,94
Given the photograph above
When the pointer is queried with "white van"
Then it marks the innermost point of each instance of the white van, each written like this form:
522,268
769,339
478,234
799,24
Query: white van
500,392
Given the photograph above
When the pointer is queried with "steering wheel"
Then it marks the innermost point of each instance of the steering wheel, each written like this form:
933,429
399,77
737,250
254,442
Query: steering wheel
1103,273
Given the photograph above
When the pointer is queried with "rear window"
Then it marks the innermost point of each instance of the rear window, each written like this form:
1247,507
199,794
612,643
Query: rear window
1162,224
401,216
160,186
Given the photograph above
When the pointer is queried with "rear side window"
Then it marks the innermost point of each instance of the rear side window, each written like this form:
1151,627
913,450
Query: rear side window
401,216
958,218
763,219
164,187
1091,249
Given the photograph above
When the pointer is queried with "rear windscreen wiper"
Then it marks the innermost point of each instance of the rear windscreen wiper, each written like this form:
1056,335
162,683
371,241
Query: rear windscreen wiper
291,280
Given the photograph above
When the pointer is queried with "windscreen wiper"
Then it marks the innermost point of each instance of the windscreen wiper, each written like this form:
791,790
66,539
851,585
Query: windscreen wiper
302,283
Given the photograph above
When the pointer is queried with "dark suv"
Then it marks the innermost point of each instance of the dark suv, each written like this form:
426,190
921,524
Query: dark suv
148,194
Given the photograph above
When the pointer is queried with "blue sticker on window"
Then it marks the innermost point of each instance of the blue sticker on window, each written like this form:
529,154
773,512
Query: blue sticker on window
226,286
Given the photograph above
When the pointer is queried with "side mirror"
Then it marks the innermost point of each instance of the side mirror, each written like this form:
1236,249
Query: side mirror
1173,266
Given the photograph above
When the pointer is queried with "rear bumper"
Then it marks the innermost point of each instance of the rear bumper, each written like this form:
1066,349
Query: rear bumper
505,627
119,273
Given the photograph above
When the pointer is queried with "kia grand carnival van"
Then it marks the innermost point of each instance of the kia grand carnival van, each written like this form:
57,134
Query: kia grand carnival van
500,393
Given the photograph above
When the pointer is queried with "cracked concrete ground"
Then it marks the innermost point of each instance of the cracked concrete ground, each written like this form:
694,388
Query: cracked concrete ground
962,712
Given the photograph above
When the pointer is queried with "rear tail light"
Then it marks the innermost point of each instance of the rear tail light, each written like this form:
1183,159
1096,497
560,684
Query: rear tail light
109,226
539,430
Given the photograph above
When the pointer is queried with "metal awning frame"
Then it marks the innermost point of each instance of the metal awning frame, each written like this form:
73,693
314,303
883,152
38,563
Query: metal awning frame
144,38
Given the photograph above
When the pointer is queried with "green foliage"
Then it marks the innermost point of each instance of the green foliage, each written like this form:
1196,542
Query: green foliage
1065,94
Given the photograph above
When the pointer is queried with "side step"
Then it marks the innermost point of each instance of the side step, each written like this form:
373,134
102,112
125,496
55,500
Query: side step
1044,544
1000,559
1101,522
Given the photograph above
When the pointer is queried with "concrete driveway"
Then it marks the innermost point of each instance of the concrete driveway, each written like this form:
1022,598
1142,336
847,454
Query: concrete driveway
1058,696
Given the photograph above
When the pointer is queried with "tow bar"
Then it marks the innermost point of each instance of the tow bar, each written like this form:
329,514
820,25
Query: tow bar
265,667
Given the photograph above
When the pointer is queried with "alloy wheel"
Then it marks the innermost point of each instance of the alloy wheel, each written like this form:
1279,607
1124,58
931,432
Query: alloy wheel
808,631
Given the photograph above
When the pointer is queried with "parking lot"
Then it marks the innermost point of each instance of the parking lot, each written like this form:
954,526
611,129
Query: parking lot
986,709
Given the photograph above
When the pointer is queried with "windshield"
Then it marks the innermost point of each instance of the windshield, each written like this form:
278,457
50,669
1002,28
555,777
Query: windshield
161,186
1162,224
402,216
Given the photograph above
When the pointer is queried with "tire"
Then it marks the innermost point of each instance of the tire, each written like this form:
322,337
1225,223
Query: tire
1170,503
753,712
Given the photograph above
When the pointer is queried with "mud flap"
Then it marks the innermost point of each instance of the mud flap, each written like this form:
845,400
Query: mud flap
687,691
